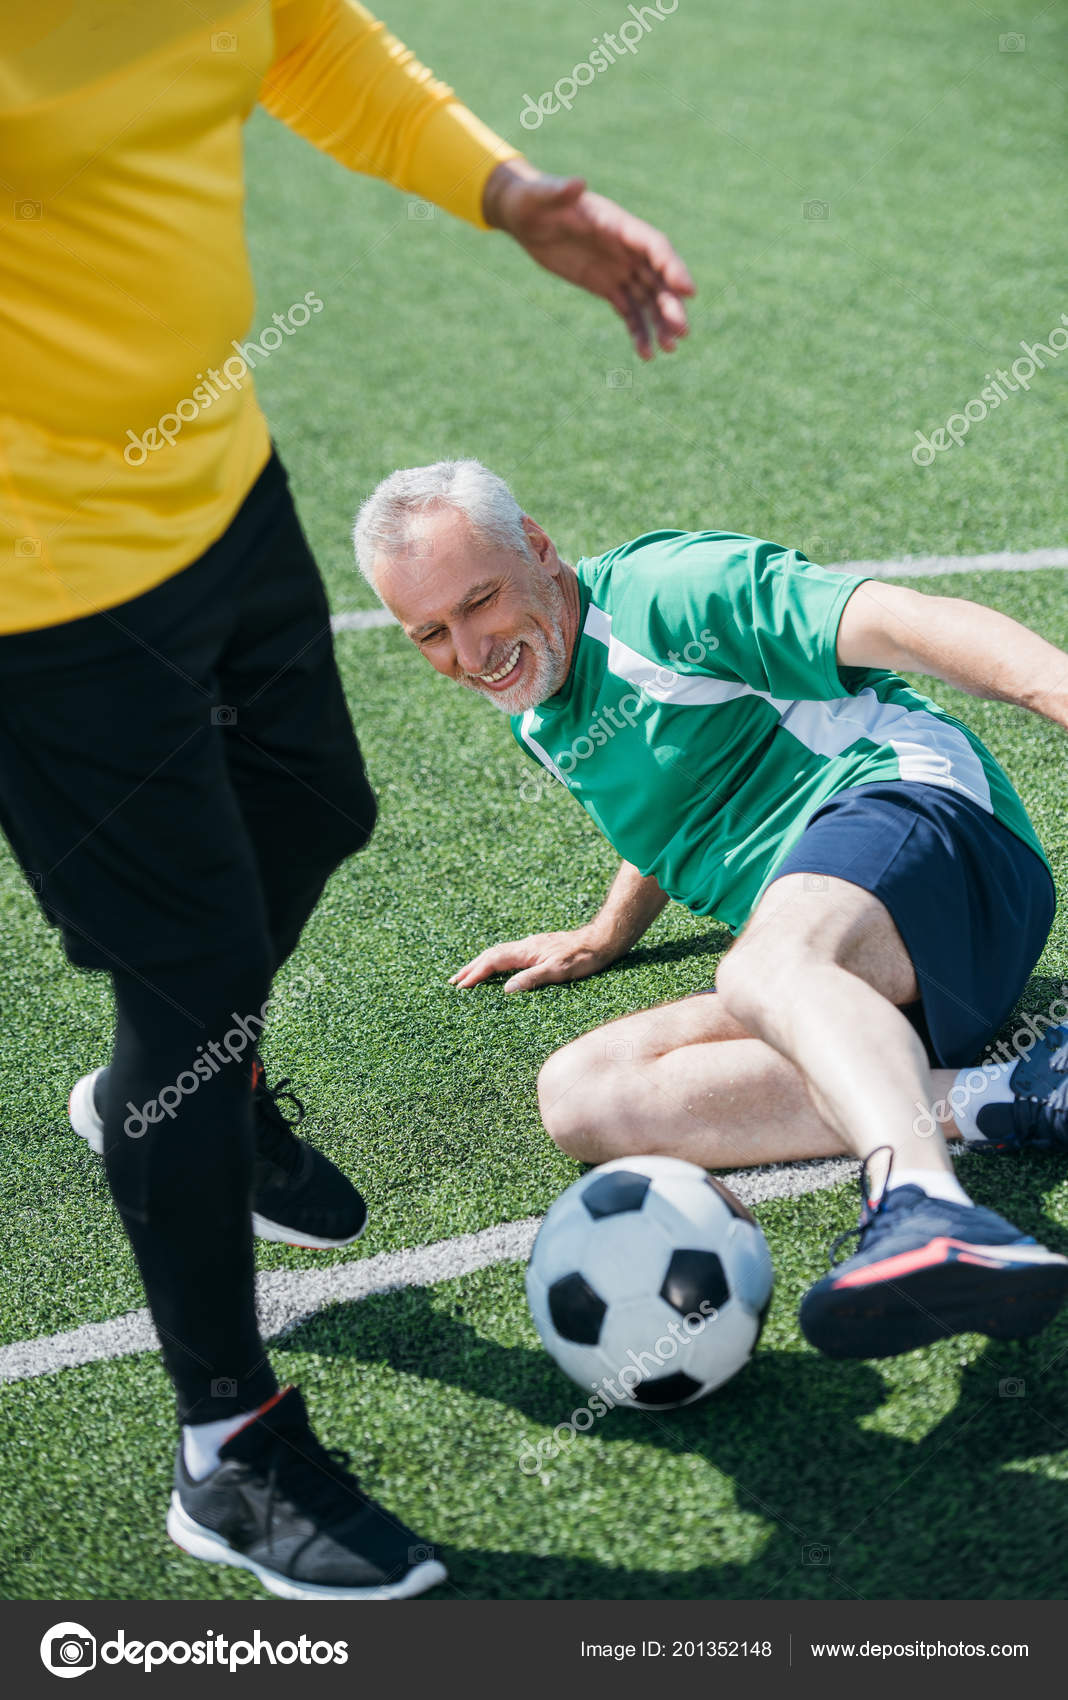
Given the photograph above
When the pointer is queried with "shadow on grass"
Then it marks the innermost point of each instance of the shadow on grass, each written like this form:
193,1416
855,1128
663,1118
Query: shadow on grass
1040,994
1013,1186
711,944
849,1508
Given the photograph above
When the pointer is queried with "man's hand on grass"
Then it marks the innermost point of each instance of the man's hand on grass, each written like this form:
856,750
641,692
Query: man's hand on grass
596,245
543,959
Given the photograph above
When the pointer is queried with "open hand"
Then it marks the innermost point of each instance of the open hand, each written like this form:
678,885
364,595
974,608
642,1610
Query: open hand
596,245
543,959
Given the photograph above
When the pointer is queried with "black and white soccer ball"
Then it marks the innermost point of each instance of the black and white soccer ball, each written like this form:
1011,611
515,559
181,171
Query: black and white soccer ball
649,1282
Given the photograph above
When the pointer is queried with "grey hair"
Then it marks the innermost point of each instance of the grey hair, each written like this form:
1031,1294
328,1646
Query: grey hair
384,520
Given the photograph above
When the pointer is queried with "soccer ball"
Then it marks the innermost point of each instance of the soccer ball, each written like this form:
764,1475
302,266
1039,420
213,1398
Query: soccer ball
649,1282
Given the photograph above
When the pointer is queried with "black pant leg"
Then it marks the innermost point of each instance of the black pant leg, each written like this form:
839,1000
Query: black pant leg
295,763
178,1153
119,802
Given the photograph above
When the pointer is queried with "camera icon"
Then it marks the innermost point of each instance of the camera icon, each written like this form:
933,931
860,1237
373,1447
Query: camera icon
1012,1387
1012,43
27,546
224,1387
223,715
421,209
419,546
815,209
35,882
814,882
619,379
420,1555
27,209
814,1552
68,1649
619,1050
223,42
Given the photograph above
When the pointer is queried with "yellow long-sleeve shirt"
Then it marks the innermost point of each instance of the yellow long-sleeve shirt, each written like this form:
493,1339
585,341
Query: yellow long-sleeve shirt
129,433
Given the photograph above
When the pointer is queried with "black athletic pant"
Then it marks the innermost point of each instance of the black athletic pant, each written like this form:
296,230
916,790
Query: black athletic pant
179,776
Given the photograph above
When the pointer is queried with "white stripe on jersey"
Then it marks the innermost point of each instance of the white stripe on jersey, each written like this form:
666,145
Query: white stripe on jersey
542,754
929,750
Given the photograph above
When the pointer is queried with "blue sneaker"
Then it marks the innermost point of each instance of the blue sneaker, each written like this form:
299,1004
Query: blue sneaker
925,1268
1033,1112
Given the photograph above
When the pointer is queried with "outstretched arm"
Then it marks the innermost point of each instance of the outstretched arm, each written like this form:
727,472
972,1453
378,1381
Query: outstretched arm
968,645
546,959
346,84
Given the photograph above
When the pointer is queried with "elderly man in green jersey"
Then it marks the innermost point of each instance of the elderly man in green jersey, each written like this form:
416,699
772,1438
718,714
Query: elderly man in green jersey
733,719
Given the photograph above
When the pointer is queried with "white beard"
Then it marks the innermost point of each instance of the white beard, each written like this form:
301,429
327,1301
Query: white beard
544,671
545,665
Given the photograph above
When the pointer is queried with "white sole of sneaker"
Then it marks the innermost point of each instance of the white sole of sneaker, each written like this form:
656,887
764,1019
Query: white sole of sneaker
83,1113
265,1229
87,1125
200,1542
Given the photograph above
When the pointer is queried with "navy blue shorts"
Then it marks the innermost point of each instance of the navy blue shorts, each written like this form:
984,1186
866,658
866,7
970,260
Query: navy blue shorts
973,904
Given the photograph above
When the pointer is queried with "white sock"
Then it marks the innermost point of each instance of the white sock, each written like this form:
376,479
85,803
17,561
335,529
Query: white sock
936,1183
973,1089
201,1442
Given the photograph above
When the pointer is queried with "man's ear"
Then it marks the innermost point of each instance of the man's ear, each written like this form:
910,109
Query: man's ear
539,540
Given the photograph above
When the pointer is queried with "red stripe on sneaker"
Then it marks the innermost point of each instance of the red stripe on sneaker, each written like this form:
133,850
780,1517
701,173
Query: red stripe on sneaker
261,1410
925,1257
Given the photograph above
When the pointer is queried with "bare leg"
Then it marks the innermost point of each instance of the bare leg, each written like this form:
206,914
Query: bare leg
686,1080
817,975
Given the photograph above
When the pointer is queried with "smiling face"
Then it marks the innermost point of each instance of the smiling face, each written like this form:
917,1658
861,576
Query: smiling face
499,623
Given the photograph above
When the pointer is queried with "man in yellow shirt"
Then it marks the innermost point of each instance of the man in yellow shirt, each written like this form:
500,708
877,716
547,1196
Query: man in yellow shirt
180,773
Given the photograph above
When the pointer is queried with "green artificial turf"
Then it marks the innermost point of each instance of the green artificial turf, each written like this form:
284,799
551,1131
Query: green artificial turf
936,1475
422,1092
819,347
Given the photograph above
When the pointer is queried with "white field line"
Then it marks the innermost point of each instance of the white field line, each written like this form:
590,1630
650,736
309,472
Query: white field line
937,566
909,566
286,1297
362,619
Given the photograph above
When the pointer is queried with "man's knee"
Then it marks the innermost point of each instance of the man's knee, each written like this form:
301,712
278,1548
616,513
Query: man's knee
745,979
575,1098
215,1001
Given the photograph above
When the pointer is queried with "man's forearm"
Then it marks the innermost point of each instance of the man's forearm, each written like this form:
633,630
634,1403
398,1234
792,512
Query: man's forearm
968,645
990,655
631,906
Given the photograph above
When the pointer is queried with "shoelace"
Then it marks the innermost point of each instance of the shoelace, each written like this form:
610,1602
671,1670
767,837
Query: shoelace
308,1475
1057,1037
1029,1111
869,1211
275,1136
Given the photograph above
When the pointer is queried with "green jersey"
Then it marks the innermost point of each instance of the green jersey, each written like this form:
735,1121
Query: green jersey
705,717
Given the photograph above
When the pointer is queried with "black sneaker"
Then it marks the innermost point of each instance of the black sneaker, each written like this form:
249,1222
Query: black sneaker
1027,1101
298,1196
286,1508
